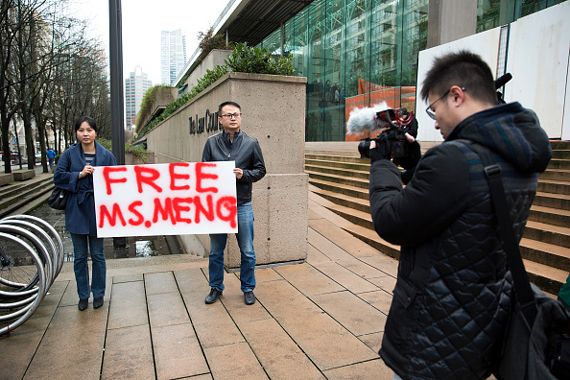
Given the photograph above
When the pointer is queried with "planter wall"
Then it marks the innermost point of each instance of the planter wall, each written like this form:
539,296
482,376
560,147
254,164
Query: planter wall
273,110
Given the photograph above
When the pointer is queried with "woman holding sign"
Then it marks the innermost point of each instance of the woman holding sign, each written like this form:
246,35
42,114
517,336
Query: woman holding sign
74,174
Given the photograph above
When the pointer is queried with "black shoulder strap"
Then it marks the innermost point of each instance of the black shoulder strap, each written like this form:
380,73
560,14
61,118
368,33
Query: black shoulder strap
524,292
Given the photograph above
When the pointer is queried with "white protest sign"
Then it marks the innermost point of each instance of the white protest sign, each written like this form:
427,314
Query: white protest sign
165,199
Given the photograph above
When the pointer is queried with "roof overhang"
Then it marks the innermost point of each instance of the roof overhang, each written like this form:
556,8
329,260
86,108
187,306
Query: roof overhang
248,21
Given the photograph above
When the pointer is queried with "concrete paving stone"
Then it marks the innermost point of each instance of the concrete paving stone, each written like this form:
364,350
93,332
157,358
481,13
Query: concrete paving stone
386,283
158,283
373,340
381,300
199,377
360,268
16,351
350,311
331,250
158,304
128,354
265,275
128,305
343,239
370,370
193,284
235,361
177,352
213,325
346,278
70,294
383,263
72,347
127,278
308,280
278,353
324,340
316,257
234,304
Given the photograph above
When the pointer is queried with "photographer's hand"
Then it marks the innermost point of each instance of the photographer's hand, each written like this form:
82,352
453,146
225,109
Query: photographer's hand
379,149
410,161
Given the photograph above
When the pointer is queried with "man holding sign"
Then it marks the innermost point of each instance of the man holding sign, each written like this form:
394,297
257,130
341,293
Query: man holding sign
234,145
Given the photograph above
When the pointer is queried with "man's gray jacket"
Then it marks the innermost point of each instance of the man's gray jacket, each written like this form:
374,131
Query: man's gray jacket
245,151
453,292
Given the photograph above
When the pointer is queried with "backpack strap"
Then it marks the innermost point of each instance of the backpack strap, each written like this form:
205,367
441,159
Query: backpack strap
492,170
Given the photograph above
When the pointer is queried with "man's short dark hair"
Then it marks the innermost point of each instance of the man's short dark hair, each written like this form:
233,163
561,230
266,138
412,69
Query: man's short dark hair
88,120
228,103
464,69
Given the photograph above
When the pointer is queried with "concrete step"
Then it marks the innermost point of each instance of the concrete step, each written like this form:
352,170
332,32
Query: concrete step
560,145
555,174
352,173
558,163
556,187
360,166
336,157
549,215
561,154
559,201
547,254
548,233
25,195
547,277
350,190
338,179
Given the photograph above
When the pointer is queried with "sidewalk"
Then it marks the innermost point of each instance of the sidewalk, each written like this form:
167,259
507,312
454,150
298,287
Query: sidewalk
320,319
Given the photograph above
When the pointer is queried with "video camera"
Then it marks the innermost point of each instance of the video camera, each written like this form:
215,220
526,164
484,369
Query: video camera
399,128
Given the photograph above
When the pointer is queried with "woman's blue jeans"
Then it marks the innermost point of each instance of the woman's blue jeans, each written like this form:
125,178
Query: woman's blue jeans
82,246
245,242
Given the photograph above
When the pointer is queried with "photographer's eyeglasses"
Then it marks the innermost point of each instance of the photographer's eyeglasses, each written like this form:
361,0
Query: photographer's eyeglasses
231,115
429,109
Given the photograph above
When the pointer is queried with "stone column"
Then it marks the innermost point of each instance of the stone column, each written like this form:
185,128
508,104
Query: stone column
449,20
273,110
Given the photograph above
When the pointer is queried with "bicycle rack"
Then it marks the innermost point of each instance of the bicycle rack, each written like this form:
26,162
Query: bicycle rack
31,257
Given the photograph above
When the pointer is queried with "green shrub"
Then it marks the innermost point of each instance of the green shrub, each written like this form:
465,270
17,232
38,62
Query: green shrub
146,104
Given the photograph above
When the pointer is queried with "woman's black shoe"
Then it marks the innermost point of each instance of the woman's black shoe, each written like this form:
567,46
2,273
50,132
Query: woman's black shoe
82,305
97,303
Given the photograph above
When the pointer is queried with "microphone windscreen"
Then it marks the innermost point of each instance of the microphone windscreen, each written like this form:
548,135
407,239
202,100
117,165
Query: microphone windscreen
364,119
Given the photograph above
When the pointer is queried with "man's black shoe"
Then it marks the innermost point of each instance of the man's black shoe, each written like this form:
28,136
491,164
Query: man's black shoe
213,296
82,305
249,298
97,302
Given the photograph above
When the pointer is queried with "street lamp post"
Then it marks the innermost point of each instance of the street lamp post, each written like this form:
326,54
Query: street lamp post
117,103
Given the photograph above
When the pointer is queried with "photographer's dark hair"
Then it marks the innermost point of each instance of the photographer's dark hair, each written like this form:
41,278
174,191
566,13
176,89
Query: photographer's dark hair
88,120
464,69
229,103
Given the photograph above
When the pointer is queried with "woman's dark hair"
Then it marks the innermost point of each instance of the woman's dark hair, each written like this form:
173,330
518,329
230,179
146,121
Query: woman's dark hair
88,120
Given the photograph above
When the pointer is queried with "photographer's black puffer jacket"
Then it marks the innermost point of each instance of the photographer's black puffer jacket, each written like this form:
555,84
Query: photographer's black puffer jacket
452,295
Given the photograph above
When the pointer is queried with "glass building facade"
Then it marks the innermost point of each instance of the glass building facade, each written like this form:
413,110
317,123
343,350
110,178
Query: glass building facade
358,53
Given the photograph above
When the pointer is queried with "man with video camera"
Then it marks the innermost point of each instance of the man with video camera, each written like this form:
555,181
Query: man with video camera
452,296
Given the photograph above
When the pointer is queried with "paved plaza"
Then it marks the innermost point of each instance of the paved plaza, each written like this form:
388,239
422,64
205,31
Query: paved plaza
320,319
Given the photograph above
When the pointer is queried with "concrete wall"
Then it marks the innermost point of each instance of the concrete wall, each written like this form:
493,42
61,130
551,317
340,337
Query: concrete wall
273,110
214,58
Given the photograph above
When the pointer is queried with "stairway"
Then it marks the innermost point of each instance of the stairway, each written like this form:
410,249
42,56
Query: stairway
342,180
20,197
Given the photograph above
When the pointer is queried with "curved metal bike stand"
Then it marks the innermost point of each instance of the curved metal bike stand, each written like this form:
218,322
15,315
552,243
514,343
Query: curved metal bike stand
23,287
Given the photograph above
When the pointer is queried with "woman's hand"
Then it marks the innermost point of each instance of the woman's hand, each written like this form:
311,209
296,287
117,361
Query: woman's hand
87,170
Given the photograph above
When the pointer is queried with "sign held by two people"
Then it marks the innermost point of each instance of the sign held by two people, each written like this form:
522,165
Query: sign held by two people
165,199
